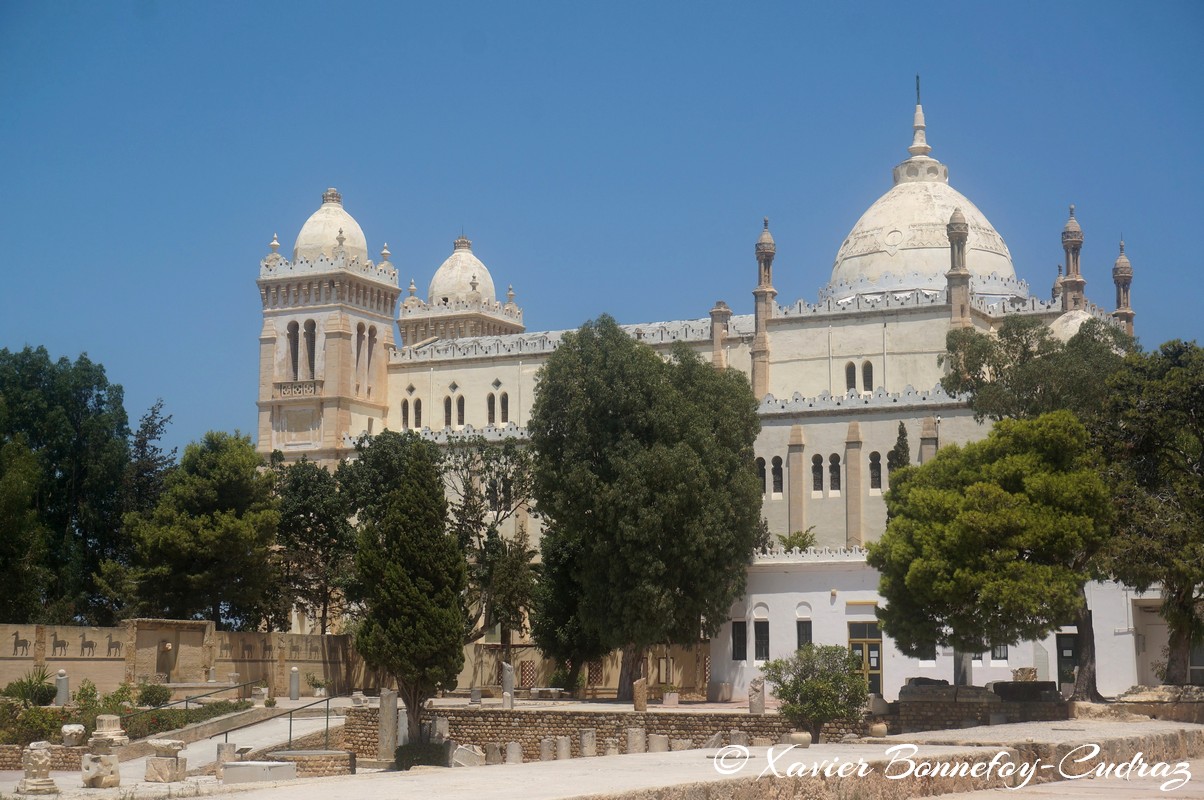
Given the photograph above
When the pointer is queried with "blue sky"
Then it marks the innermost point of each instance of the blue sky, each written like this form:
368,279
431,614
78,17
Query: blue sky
609,157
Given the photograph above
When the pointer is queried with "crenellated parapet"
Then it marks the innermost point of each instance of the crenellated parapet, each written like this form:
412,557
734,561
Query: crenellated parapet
900,286
828,304
853,400
812,555
277,266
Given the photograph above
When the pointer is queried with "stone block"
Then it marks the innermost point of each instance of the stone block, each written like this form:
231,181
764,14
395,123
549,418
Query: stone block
35,760
762,741
493,753
166,769
658,743
610,747
547,749
739,738
73,735
564,748
468,756
226,752
249,771
507,700
387,726
507,679
589,743
637,742
639,694
514,753
166,748
100,771
715,740
681,744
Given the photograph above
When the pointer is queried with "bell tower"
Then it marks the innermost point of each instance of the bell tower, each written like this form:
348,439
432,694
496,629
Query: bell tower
764,295
327,332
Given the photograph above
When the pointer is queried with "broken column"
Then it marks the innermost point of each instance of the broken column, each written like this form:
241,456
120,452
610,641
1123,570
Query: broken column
756,696
639,694
589,743
166,766
514,753
564,748
636,742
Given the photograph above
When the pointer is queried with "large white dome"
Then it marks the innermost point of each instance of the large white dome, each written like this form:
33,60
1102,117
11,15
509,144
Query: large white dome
454,279
319,235
901,243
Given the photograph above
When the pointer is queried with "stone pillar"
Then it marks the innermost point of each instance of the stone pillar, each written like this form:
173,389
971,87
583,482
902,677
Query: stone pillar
226,752
589,743
547,749
756,696
387,726
507,679
564,748
795,475
493,753
73,735
514,753
294,684
852,489
636,741
928,440
763,311
611,746
62,689
958,276
739,738
658,743
639,694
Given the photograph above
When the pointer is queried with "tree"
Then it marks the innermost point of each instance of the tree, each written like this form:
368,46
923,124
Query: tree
818,684
993,542
1025,371
148,467
206,548
22,537
73,421
410,573
489,483
645,468
899,456
511,585
317,543
1152,431
799,540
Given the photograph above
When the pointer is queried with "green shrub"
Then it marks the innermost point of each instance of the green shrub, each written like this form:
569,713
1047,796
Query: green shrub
35,724
139,726
421,754
560,679
818,684
122,696
154,695
33,689
86,695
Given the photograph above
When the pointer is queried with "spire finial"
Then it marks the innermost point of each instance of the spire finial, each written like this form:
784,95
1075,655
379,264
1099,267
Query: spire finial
384,252
1072,210
275,244
340,238
919,141
1122,244
917,88
766,221
413,288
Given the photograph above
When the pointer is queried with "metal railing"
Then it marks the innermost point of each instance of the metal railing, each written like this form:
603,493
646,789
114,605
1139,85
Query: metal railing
289,713
190,699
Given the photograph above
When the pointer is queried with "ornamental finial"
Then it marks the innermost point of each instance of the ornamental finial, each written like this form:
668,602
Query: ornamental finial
275,243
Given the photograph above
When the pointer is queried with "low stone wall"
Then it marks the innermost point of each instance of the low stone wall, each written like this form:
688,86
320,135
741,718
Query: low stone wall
1173,703
935,708
317,763
61,758
529,726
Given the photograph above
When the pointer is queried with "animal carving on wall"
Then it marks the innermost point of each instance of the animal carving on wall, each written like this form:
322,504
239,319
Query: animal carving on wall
59,646
115,647
87,647
20,646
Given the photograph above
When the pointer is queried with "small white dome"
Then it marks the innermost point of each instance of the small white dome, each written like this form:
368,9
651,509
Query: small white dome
455,277
319,235
1066,326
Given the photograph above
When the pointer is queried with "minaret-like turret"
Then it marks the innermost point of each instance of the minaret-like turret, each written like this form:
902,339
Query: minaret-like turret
958,275
1056,293
1122,276
764,294
1073,284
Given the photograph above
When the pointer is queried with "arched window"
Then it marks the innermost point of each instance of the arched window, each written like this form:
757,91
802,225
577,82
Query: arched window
447,412
417,413
489,407
817,473
311,341
850,377
405,415
761,473
505,403
777,474
834,472
867,377
460,410
875,471
293,345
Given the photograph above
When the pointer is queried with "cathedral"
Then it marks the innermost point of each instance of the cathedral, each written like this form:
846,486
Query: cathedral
344,351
